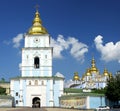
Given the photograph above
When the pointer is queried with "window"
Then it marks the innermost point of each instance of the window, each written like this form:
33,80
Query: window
42,83
29,82
46,56
36,62
16,93
36,82
16,101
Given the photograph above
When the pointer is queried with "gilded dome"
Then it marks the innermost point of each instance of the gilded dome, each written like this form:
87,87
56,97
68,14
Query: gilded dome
88,73
94,69
37,27
106,73
76,76
83,76
110,75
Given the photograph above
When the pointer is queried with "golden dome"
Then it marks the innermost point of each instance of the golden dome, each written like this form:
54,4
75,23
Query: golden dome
110,75
83,76
88,72
76,76
93,68
105,73
37,27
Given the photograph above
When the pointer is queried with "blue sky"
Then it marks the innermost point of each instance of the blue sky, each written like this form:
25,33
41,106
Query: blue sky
79,29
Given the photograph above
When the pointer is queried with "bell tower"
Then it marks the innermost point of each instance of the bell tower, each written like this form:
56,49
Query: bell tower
36,83
37,53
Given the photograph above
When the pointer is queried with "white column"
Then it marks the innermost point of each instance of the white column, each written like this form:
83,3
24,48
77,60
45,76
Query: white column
51,93
87,102
21,93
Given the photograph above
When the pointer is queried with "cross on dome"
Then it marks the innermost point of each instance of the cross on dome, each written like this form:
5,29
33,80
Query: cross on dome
37,28
37,6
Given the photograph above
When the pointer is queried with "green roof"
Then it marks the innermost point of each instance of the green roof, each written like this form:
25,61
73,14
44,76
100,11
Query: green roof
35,77
80,92
80,95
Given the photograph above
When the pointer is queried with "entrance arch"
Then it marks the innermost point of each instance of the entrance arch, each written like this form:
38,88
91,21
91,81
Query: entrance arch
36,102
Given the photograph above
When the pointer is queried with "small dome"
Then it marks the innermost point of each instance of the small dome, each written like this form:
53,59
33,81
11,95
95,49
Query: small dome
83,76
88,73
110,75
76,76
105,73
94,69
37,27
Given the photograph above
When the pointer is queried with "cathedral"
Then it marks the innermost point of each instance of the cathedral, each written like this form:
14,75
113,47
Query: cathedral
91,79
77,89
37,87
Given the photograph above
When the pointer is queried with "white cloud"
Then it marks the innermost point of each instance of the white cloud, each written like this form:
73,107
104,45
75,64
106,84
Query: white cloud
109,51
16,40
76,48
59,45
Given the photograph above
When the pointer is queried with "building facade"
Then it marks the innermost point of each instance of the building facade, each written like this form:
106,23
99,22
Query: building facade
83,101
37,87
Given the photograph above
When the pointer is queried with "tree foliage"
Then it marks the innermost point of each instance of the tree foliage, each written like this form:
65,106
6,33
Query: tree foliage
2,91
2,80
113,88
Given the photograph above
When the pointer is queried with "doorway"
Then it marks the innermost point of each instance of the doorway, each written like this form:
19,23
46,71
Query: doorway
36,102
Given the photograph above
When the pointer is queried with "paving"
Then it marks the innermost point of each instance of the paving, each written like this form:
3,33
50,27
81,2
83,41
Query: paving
39,109
22,109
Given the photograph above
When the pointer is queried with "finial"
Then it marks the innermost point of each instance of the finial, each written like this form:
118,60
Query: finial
37,27
93,60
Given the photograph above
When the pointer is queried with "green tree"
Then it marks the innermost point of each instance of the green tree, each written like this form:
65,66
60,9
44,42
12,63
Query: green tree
113,88
2,80
2,91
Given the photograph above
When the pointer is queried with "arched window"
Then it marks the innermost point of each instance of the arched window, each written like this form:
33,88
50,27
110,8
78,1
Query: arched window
36,82
46,56
29,82
42,83
36,62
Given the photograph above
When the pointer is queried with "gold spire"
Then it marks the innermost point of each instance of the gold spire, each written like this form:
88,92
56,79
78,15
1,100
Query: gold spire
37,27
76,76
93,68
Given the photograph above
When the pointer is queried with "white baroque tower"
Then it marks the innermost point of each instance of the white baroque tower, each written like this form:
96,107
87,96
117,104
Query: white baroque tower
36,86
37,53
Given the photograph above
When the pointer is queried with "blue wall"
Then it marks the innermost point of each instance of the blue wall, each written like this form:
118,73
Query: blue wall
95,102
24,92
56,92
48,93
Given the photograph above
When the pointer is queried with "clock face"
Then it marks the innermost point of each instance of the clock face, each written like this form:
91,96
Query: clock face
36,40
